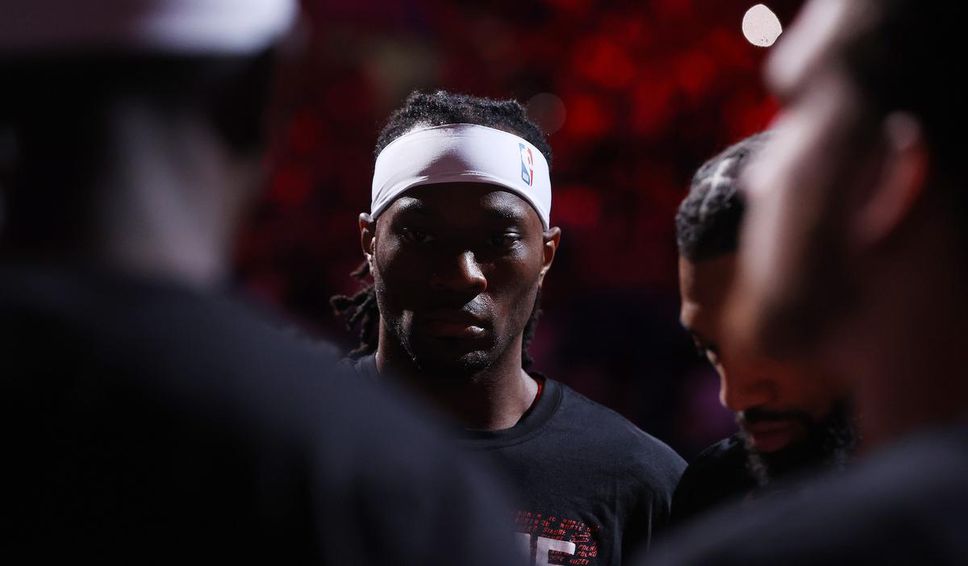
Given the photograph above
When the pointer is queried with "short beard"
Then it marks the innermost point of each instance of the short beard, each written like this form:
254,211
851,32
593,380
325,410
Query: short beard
462,369
828,447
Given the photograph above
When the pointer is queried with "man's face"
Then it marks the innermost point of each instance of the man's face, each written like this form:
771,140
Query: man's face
777,406
457,268
794,276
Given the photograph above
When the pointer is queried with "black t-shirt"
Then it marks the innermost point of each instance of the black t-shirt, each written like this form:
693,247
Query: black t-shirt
718,475
590,487
905,505
146,422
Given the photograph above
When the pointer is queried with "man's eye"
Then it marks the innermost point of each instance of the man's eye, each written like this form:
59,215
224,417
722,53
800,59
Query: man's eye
505,240
416,236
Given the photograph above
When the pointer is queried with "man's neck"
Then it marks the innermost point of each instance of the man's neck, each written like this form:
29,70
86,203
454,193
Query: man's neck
494,398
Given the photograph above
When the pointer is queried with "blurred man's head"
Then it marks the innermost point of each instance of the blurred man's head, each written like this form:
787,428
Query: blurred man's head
789,420
853,250
459,246
133,129
866,91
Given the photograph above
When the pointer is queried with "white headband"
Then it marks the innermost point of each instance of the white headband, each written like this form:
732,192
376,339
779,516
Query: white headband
462,153
168,26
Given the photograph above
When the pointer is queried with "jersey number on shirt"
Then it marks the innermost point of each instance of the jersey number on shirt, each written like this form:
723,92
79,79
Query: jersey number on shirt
544,546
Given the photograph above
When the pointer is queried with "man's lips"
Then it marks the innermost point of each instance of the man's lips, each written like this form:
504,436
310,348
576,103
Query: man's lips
453,324
772,435
448,329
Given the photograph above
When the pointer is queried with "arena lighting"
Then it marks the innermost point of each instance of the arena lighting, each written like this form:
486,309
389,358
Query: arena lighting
761,26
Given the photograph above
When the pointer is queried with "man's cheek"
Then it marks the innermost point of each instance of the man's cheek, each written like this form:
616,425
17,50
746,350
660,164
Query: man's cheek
391,259
399,279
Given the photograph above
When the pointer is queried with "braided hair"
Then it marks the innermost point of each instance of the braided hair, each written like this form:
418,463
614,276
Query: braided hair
360,310
709,218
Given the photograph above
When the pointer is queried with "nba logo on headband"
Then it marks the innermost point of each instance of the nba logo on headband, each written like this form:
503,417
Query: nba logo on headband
527,164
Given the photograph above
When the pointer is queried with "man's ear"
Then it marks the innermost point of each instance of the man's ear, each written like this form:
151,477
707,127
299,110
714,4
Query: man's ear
552,237
367,236
900,181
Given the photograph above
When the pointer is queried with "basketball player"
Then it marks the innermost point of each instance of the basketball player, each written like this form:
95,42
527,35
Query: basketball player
458,241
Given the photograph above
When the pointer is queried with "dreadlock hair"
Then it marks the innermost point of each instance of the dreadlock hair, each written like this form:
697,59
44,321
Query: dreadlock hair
428,110
708,220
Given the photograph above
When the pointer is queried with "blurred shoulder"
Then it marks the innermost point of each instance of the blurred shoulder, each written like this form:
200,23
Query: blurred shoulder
905,504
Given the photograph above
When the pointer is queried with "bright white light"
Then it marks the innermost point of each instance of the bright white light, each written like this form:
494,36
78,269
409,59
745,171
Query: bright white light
761,26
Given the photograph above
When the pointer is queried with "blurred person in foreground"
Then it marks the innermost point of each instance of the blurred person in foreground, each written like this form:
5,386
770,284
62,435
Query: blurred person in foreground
458,241
791,425
147,416
854,256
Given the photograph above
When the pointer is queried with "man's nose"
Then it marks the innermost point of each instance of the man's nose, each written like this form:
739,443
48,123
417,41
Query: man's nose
745,388
459,273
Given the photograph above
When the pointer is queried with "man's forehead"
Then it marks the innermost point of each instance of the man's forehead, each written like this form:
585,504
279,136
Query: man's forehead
811,43
464,201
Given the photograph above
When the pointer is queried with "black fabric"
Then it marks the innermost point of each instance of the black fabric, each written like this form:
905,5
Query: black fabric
906,505
144,422
718,475
581,474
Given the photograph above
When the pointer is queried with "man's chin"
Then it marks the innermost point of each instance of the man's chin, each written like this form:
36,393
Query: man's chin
826,445
767,462
461,367
768,436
